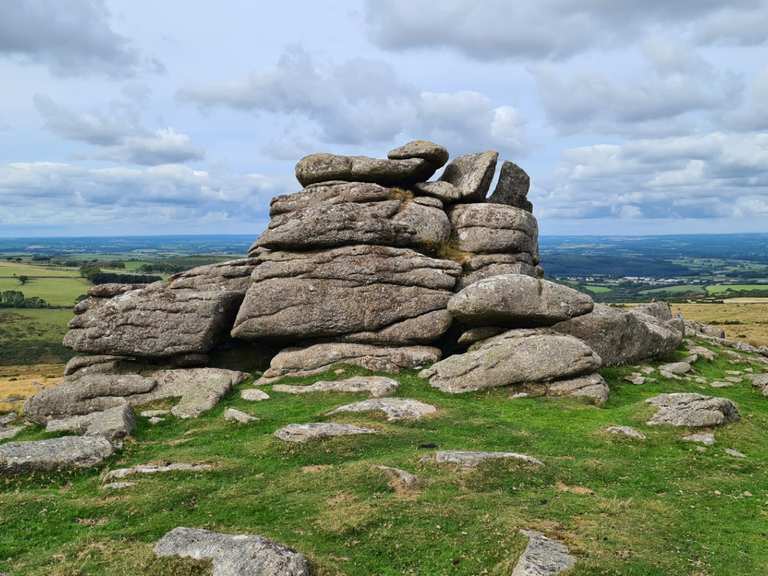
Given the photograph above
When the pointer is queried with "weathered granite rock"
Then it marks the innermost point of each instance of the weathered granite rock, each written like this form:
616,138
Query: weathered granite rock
592,388
659,310
479,333
254,395
300,433
149,469
328,167
342,214
692,410
234,555
318,358
229,276
627,431
760,381
675,368
706,438
635,378
53,454
514,357
620,337
471,174
512,187
693,327
118,485
113,424
446,192
365,294
9,432
399,480
519,301
8,418
234,415
480,266
394,408
702,352
543,557
494,229
734,453
433,153
472,459
155,321
375,386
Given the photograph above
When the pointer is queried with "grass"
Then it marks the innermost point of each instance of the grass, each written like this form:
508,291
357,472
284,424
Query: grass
57,286
659,507
681,289
21,268
32,336
20,382
596,289
741,320
720,289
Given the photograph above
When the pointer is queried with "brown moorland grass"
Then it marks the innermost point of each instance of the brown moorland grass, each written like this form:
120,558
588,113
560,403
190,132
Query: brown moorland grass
744,319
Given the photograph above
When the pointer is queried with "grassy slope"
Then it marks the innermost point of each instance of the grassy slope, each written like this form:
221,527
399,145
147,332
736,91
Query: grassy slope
660,507
746,321
32,336
57,286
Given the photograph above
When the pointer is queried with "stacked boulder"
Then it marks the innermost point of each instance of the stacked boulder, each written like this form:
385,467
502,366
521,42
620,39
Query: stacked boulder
371,264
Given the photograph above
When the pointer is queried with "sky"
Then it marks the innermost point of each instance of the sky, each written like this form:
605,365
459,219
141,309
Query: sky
134,117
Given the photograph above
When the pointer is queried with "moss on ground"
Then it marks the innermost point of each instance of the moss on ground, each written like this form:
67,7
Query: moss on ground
652,508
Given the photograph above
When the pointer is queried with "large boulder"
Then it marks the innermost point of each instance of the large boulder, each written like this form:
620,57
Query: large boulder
470,176
53,454
113,423
156,321
433,153
338,214
366,294
494,229
519,301
622,337
522,356
512,187
475,267
328,167
319,358
692,410
229,276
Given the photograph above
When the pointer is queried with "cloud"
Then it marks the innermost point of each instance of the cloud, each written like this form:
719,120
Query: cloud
545,29
754,116
361,102
715,175
673,84
70,37
119,132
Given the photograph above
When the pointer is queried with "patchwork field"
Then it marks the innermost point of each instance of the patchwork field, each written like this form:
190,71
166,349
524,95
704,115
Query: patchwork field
57,286
653,507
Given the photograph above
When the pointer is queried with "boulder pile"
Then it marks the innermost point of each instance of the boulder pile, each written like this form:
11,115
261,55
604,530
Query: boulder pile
371,264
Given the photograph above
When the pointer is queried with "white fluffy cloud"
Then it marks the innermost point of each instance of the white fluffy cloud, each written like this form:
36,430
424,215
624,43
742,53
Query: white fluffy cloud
364,102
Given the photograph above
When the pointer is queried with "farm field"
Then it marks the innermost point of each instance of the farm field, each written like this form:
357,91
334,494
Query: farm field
33,336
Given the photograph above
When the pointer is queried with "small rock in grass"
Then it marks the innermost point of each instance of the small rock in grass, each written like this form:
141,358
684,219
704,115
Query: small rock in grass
706,438
234,415
113,423
6,419
471,459
121,473
543,556
627,431
693,410
702,352
635,378
373,385
675,368
734,453
733,379
647,369
733,372
53,454
254,395
399,480
155,413
154,420
118,485
234,555
317,430
394,408
720,384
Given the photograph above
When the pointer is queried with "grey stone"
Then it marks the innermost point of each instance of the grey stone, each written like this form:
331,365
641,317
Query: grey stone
514,357
9,418
702,352
322,167
113,424
733,379
347,214
692,410
471,174
154,413
154,420
481,266
254,395
635,378
543,556
676,368
394,408
362,294
10,432
149,469
472,459
118,485
620,337
706,438
433,153
519,301
445,191
493,229
318,358
760,381
376,386
234,555
592,388
230,276
512,187
627,431
53,454
701,328
734,453
299,433
720,384
234,415
399,479
479,333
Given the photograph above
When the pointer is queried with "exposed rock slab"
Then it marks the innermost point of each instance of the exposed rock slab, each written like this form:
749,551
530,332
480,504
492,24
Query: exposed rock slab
592,388
514,357
234,415
472,459
494,229
433,153
692,410
149,469
543,556
706,438
677,368
627,431
376,386
620,337
394,408
254,395
512,187
229,276
365,294
519,301
9,432
318,358
234,555
300,433
113,424
479,333
475,267
53,454
471,175
328,167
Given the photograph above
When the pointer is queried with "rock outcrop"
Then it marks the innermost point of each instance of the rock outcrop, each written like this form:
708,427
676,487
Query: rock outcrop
692,410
